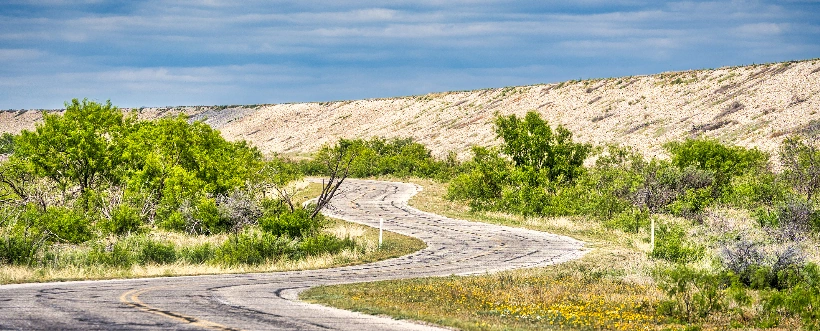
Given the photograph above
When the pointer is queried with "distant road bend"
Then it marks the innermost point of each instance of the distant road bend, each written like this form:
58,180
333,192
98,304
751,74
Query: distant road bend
267,301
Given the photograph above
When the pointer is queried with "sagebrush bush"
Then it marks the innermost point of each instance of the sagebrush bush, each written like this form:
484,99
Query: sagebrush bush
795,218
238,209
759,267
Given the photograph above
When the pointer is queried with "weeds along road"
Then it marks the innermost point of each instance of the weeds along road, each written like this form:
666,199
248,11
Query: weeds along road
268,301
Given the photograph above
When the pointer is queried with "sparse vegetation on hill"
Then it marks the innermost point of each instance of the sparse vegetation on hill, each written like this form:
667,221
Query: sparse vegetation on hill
755,106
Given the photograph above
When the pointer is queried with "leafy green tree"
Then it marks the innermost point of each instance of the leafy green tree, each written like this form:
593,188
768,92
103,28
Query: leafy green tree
76,148
171,161
534,146
724,161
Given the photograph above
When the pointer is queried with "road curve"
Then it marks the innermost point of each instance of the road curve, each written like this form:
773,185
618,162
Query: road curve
267,301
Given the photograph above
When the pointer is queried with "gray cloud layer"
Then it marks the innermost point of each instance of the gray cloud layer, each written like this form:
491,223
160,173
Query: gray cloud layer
152,53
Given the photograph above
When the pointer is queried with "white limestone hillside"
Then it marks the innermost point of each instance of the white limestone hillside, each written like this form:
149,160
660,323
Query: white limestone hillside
752,106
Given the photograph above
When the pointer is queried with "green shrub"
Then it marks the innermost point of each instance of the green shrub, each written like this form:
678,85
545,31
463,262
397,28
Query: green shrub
766,217
20,248
197,254
151,251
64,224
692,203
124,220
207,219
630,220
801,298
175,221
118,254
198,216
532,144
324,243
671,245
801,164
252,247
724,161
129,250
7,143
292,224
755,190
377,156
483,181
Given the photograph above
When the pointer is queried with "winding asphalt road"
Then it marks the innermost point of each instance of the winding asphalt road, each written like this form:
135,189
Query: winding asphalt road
268,301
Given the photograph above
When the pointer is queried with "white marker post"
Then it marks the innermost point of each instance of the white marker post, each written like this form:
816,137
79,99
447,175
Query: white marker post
381,225
653,234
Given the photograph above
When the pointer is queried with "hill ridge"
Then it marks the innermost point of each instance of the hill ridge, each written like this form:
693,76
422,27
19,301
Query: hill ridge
752,106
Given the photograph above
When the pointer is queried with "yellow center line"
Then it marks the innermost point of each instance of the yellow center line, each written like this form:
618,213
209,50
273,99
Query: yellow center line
131,298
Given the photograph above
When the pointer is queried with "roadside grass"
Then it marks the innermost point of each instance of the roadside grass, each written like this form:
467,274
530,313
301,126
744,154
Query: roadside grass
365,250
611,287
582,294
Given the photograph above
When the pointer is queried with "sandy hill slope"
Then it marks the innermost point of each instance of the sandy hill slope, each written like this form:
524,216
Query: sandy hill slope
753,106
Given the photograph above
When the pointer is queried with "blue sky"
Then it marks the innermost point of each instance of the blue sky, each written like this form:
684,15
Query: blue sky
214,52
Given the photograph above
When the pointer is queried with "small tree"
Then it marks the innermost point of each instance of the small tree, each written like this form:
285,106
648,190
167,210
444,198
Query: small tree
534,146
276,175
75,148
337,162
801,164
